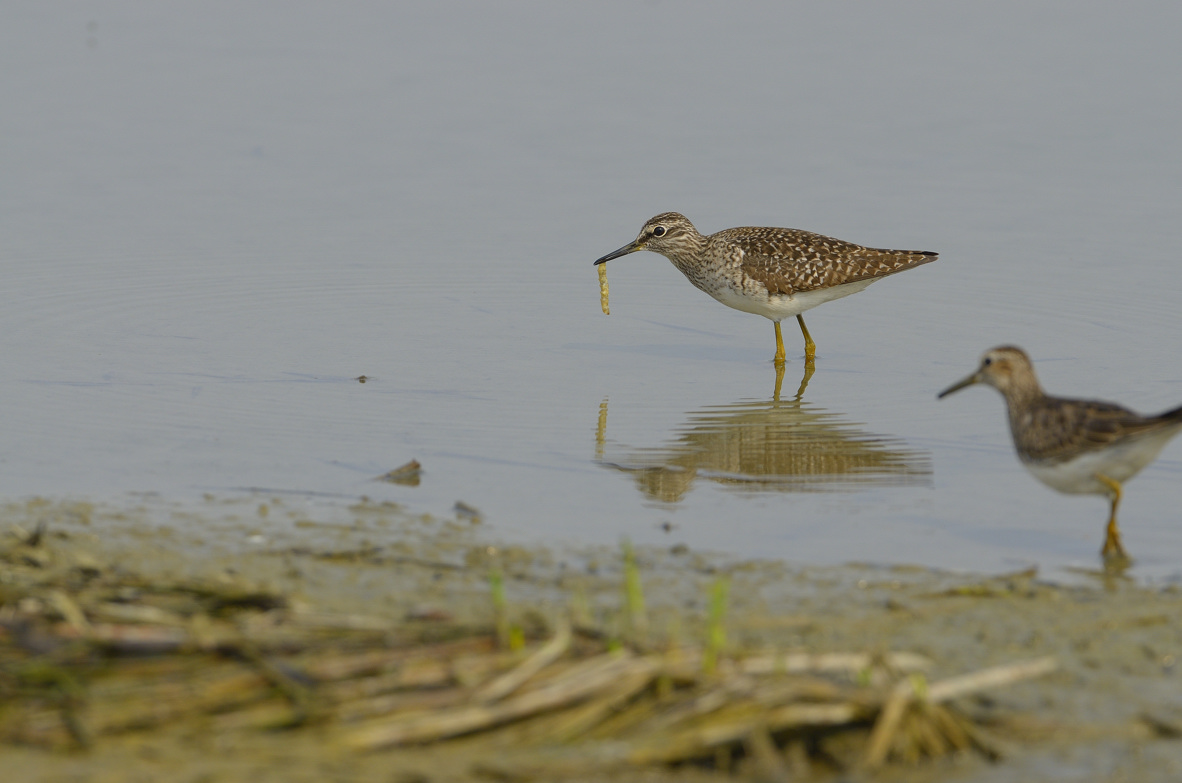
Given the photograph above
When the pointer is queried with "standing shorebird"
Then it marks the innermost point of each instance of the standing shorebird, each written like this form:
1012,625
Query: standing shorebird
1074,446
773,272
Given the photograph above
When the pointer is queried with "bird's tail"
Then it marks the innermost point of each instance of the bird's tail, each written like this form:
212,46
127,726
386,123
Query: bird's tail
1172,415
876,262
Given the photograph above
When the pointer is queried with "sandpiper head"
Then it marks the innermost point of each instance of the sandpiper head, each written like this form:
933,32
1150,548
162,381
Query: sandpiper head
665,233
1006,368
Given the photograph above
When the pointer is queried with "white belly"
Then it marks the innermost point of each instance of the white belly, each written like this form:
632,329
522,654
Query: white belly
777,307
1119,462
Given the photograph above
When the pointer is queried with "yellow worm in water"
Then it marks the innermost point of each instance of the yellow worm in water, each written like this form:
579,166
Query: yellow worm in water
603,289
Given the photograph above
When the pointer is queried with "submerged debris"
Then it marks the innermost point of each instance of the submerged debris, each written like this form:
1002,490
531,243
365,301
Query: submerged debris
466,512
408,475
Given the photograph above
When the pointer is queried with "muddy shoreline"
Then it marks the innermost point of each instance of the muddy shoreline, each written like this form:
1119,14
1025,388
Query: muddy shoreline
1110,710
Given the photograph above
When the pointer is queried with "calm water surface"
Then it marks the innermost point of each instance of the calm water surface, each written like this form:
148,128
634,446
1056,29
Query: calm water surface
215,217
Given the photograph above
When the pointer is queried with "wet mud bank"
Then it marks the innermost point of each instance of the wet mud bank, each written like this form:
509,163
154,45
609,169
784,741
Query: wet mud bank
271,639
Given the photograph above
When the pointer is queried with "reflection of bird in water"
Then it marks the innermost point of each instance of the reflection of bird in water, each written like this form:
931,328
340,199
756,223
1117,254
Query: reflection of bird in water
1074,446
769,446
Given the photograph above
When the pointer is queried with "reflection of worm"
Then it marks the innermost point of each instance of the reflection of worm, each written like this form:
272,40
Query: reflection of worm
603,289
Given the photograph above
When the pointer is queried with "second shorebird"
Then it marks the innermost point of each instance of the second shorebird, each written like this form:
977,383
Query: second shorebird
1074,446
773,272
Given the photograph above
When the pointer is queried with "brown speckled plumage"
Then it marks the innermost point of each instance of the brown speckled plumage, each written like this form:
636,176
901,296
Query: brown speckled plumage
1054,429
773,272
1050,430
787,260
1074,446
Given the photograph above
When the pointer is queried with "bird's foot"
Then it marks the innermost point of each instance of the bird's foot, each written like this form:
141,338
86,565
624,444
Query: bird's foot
1113,554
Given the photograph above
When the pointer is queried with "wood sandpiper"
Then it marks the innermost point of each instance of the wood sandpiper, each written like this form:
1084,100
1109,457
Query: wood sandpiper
1074,446
773,272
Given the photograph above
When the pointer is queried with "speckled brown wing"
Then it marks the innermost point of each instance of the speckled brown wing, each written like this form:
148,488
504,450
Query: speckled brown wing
788,260
1060,429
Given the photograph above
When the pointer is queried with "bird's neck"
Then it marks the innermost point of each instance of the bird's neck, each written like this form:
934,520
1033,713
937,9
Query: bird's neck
687,254
1021,397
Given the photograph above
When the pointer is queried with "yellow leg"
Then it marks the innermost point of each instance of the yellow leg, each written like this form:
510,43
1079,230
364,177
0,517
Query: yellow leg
1113,549
779,345
810,348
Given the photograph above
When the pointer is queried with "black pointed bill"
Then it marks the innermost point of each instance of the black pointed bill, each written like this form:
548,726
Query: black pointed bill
631,247
963,382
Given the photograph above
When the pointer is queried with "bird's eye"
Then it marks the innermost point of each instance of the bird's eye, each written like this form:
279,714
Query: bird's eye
659,231
987,362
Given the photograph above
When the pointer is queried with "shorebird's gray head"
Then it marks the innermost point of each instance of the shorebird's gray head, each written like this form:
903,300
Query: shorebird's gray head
1006,368
669,233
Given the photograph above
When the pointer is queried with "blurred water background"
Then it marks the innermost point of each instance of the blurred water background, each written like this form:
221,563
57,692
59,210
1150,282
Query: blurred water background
215,216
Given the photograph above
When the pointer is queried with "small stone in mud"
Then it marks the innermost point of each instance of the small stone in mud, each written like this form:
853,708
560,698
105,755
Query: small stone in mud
432,614
470,513
407,475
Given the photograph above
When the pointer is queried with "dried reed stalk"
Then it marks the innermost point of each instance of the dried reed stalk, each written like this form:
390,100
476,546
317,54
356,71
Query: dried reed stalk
514,679
579,683
909,691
